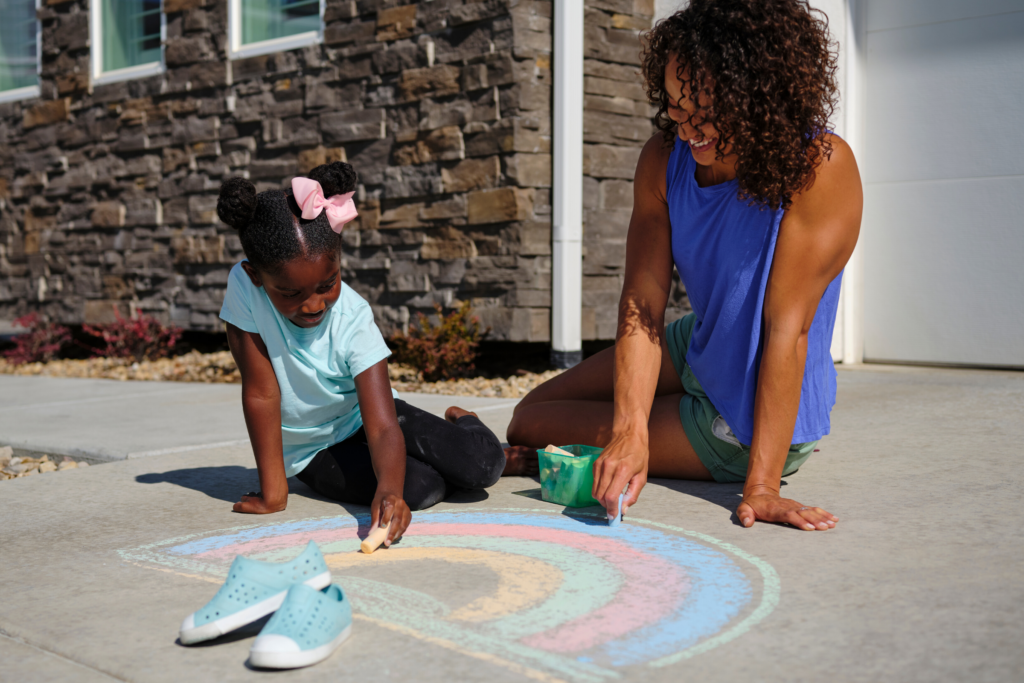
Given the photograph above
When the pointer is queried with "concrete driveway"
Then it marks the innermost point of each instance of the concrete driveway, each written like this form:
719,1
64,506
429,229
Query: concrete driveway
920,581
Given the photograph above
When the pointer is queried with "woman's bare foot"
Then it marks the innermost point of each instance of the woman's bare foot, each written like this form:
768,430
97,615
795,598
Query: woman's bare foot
454,413
520,461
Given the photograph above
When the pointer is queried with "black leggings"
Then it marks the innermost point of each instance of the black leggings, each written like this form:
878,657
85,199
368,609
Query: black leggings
440,458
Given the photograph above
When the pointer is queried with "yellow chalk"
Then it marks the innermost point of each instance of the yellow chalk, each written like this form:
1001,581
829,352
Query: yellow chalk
555,449
373,541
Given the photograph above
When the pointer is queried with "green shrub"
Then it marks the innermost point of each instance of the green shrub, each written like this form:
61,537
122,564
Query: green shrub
443,351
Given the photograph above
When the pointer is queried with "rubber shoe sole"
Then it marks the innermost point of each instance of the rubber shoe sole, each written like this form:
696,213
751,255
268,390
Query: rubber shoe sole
280,659
191,634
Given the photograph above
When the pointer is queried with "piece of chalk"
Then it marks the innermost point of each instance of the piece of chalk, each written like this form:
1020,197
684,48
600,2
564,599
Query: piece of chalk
373,541
555,449
614,520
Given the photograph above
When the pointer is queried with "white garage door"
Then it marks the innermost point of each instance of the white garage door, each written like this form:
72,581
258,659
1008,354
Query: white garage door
943,166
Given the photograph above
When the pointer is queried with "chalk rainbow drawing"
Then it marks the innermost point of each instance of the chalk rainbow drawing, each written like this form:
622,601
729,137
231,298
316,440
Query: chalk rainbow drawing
574,600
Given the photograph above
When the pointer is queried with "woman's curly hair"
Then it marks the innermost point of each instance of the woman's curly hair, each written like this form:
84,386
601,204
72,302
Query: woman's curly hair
767,70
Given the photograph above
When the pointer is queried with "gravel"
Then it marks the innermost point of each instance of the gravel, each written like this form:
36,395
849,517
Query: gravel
216,367
15,467
219,367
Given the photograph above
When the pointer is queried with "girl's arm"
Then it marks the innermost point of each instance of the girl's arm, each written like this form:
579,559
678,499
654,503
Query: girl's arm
387,450
261,404
641,327
816,239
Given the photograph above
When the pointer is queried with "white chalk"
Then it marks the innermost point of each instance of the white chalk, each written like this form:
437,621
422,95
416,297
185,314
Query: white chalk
555,449
373,541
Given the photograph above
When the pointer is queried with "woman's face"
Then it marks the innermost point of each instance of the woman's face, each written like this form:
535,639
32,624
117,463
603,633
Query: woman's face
303,289
701,136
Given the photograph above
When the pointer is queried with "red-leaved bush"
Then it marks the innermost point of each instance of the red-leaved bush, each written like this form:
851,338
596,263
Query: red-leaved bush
139,338
441,351
40,344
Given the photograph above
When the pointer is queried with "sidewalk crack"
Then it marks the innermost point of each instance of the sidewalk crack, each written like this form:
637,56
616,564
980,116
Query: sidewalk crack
21,641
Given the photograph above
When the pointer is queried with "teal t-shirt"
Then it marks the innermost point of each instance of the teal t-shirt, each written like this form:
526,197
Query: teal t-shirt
315,367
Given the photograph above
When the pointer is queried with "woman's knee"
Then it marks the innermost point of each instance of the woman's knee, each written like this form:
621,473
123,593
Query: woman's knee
516,434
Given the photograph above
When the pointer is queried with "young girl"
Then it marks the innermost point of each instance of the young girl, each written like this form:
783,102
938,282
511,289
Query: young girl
316,396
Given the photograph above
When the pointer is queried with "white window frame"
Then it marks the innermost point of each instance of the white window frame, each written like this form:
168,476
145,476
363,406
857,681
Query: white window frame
237,51
100,77
29,91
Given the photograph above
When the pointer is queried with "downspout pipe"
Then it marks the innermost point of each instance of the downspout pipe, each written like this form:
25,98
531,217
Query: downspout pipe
567,186
853,106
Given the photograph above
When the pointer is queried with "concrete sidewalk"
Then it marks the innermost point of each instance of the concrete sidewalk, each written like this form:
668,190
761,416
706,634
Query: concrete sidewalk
920,581
101,420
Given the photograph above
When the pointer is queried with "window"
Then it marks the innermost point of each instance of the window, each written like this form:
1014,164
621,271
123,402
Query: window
261,26
19,50
127,37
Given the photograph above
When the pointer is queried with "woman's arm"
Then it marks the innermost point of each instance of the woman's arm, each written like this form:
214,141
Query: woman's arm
387,450
641,327
261,405
816,239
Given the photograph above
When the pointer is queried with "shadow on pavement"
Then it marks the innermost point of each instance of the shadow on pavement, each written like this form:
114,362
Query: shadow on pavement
248,631
467,496
224,482
726,495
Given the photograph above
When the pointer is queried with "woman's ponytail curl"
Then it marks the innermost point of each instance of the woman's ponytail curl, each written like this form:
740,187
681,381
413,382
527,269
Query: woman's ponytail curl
335,178
236,204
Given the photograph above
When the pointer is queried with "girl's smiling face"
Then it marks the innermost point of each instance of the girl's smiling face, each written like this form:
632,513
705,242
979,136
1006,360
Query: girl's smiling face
303,289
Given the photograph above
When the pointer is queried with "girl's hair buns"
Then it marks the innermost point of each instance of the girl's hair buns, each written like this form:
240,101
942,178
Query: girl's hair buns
236,204
335,178
269,224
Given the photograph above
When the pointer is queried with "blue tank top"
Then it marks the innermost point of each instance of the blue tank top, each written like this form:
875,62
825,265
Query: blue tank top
723,251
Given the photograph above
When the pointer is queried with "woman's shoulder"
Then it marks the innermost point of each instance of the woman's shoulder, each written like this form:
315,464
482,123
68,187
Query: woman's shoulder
836,176
653,164
826,214
656,153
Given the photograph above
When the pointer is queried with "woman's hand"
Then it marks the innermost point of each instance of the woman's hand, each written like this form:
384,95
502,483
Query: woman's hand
623,461
253,503
389,508
768,506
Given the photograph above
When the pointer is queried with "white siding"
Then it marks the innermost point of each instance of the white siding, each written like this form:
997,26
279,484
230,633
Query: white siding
943,167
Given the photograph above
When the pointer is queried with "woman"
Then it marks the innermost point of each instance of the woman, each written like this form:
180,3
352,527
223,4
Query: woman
758,205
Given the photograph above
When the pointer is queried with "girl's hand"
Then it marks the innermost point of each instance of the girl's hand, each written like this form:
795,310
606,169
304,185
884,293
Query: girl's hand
624,461
770,507
253,503
389,508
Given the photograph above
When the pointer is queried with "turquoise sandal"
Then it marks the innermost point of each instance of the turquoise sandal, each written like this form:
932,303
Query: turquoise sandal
253,590
306,629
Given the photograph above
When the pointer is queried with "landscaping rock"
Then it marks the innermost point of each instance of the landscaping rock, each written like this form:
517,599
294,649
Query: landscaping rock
219,367
17,467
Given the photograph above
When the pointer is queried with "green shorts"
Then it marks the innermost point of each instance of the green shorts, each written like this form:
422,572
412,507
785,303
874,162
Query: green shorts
709,434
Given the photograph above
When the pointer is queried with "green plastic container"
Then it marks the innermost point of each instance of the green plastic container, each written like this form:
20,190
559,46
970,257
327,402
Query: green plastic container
568,480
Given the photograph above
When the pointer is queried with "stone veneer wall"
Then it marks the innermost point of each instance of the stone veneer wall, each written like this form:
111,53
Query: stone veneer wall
108,192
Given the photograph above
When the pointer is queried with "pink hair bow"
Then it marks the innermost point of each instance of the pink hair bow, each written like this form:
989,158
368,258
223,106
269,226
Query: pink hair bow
310,197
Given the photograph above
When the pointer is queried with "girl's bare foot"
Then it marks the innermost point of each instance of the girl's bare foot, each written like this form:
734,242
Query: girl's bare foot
455,412
520,461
